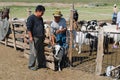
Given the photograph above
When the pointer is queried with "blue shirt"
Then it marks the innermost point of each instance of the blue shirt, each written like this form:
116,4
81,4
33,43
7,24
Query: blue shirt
56,26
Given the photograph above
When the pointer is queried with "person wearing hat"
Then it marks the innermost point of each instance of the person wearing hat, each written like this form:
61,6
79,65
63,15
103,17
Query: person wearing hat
114,16
58,29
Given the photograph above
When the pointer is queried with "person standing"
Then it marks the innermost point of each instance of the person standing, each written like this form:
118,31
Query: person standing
75,17
58,29
117,36
58,33
114,17
35,29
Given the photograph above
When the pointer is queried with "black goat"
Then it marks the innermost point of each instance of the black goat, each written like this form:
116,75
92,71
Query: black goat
94,43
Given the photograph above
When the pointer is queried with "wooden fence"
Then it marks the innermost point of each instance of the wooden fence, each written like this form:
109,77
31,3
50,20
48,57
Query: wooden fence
19,39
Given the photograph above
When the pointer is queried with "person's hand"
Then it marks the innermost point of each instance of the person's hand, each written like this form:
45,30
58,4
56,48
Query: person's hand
31,39
58,31
116,28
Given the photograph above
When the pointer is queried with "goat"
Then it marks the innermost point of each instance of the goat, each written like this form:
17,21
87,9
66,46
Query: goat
47,30
79,37
92,25
58,54
115,73
93,42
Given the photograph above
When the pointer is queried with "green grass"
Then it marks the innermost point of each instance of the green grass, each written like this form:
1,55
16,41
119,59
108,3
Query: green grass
64,1
90,13
102,12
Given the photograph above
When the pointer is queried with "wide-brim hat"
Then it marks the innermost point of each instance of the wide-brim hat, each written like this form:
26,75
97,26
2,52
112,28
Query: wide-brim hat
57,13
115,5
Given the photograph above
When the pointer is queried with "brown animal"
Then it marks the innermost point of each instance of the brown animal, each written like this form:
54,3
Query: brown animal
4,13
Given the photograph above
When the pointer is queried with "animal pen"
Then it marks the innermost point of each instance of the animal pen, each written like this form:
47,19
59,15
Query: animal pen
96,63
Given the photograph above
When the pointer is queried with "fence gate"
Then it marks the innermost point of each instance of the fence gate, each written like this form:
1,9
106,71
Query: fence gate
111,59
106,57
86,60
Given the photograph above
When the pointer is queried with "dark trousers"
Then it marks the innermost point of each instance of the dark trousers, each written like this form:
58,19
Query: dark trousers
37,57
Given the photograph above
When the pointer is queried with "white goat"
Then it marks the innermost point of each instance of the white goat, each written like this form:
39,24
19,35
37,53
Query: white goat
47,30
112,28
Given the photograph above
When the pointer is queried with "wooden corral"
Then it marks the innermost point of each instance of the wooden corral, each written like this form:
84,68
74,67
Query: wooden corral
15,33
18,38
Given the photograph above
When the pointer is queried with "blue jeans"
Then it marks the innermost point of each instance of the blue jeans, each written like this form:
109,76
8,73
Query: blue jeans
61,39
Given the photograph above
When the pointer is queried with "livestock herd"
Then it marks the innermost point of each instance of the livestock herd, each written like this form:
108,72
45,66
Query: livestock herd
85,33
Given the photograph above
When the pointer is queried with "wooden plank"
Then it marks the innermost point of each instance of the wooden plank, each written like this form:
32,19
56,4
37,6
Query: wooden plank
17,42
48,53
71,35
13,36
47,41
19,29
6,41
100,54
17,21
50,65
9,44
46,48
49,58
10,36
20,46
19,35
115,68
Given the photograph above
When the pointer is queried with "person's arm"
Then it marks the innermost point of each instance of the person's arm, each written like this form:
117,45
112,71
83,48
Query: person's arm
63,29
117,26
29,25
52,35
30,36
118,20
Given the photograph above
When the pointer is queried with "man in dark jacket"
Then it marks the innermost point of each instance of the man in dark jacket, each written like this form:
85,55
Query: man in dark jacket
35,28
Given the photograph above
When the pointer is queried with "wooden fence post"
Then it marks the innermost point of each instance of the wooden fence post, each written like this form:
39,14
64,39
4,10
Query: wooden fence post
6,40
13,36
29,11
100,54
71,35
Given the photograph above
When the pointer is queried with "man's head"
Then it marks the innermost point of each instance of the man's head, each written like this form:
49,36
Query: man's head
115,5
57,15
39,11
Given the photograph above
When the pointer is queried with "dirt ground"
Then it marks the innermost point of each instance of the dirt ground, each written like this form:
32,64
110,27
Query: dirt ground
13,66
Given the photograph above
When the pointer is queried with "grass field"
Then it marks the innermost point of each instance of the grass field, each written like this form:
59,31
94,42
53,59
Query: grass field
89,13
95,9
64,1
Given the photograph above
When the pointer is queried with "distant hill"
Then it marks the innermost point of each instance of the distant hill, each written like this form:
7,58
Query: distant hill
64,1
